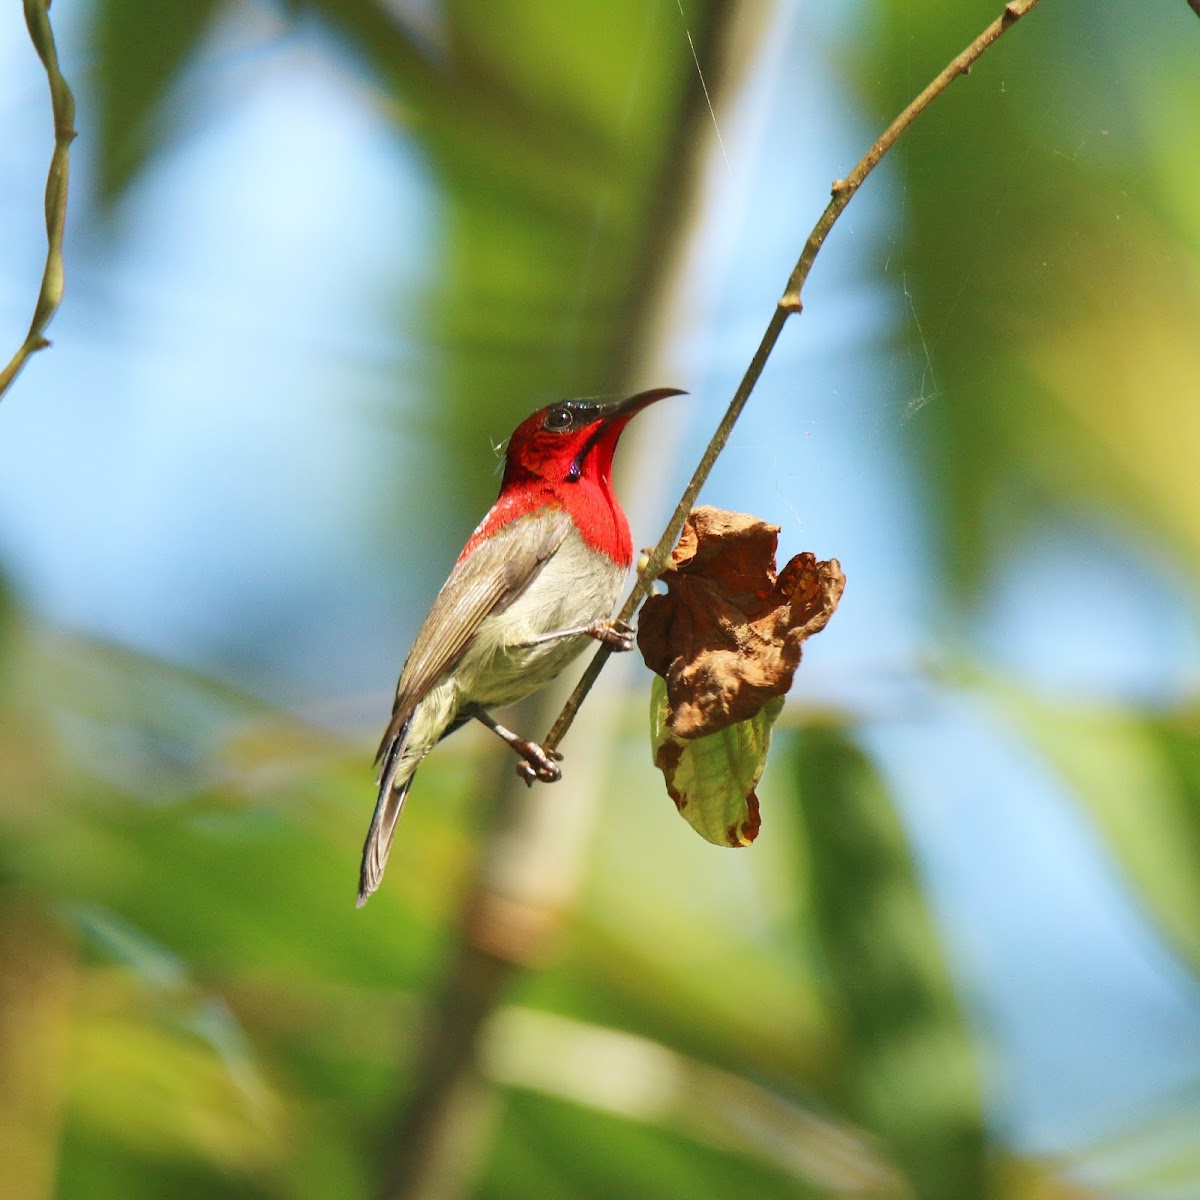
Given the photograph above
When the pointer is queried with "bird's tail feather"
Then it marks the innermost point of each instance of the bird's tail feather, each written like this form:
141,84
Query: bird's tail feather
392,793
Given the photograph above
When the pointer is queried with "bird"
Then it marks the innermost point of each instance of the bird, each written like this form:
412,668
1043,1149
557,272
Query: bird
536,580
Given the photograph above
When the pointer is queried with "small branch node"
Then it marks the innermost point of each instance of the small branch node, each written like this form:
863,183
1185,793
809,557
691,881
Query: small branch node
838,186
790,302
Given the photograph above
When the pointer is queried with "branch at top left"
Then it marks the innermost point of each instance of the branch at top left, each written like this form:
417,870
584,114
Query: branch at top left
37,18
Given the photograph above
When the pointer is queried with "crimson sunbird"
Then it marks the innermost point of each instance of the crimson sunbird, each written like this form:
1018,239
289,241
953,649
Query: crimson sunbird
536,580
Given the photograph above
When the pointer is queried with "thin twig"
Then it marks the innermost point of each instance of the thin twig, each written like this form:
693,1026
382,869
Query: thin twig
842,192
1194,5
37,18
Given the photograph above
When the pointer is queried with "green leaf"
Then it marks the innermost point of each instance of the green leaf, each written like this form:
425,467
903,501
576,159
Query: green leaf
910,1075
549,1148
163,1090
140,47
712,779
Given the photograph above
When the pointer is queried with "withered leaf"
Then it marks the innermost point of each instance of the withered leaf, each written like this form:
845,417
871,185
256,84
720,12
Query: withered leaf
727,636
712,779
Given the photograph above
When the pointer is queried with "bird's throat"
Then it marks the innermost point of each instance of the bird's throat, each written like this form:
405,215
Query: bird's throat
599,517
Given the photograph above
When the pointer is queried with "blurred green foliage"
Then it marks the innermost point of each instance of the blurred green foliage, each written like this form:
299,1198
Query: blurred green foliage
910,1072
1077,392
189,1003
141,47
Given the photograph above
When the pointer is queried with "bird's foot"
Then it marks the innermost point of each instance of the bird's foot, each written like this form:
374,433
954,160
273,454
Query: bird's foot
539,765
616,635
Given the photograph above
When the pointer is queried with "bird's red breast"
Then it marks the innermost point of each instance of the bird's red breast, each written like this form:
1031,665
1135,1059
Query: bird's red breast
594,510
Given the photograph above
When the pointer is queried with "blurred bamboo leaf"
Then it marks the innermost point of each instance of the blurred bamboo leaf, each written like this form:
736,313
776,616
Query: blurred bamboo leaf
159,796
38,976
1157,1156
140,48
163,1091
377,31
910,1075
1123,383
1138,778
1178,736
614,1072
573,1151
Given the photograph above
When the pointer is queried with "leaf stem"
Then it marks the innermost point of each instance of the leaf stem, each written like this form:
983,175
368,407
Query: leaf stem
842,192
37,19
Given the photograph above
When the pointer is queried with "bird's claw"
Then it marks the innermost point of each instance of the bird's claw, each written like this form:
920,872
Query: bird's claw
539,765
614,634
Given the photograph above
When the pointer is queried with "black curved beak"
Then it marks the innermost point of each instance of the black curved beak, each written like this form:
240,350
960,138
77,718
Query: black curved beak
635,404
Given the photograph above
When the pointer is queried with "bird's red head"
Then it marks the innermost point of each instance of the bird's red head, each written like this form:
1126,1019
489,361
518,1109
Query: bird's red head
561,457
572,441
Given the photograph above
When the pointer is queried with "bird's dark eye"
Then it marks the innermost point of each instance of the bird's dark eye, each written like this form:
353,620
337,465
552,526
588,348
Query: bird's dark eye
558,420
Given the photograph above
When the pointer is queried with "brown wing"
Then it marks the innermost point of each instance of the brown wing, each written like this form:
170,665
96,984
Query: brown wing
496,572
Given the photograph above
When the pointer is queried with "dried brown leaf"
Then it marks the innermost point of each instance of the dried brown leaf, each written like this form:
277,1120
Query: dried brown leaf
728,634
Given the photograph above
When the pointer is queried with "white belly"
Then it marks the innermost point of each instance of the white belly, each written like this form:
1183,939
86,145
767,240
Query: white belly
577,586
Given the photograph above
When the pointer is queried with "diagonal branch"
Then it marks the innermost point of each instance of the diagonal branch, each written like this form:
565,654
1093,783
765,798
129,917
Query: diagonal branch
37,18
843,191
